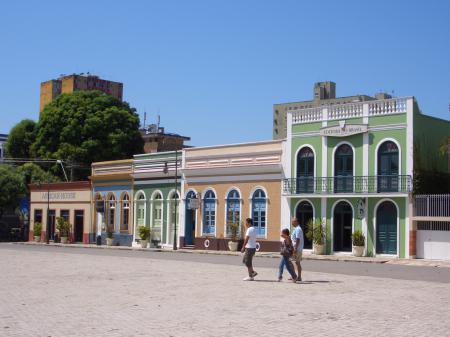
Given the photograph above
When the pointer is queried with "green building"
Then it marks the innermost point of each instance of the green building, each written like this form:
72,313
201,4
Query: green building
156,191
351,166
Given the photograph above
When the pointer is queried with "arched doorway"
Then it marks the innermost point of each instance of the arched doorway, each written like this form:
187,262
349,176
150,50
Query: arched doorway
304,213
189,227
305,170
343,169
388,167
342,227
386,222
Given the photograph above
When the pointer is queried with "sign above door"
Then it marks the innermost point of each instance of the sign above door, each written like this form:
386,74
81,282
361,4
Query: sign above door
343,130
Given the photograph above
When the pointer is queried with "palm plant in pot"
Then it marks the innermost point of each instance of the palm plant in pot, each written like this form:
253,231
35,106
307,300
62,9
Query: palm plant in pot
37,230
63,227
233,243
109,236
144,233
358,243
315,232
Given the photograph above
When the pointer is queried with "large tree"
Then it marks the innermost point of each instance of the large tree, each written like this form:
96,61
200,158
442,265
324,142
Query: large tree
21,138
88,126
12,188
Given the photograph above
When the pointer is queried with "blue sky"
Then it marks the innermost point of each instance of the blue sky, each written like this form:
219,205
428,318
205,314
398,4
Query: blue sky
213,69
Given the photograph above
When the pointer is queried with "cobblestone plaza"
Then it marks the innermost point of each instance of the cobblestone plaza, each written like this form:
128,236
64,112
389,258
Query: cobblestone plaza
78,292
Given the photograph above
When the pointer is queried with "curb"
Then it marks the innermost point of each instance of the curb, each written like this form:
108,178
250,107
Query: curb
307,256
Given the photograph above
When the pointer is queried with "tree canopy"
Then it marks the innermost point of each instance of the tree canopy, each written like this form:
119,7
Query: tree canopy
21,138
87,126
12,188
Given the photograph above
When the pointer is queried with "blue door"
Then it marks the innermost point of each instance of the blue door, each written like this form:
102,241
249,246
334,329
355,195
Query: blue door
386,223
343,169
189,228
388,167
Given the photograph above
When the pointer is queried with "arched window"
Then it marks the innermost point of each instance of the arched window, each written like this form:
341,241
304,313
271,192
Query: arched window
259,202
157,215
233,209
305,170
140,209
125,212
388,167
209,213
343,169
111,215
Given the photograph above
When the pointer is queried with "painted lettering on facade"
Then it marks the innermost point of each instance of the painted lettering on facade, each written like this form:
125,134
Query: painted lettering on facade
59,195
343,130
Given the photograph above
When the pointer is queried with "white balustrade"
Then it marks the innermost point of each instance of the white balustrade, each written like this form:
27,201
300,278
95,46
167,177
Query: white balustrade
344,111
349,110
306,115
387,106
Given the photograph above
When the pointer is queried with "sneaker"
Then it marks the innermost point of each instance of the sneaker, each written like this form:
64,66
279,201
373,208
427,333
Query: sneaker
254,274
299,279
248,278
280,279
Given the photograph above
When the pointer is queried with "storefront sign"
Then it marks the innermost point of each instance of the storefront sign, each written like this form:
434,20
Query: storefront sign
343,130
59,195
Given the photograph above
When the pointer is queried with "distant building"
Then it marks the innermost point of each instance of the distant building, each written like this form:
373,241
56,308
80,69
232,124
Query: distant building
157,140
324,94
3,139
51,89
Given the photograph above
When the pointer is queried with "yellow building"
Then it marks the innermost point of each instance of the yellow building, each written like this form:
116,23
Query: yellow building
227,184
51,89
71,201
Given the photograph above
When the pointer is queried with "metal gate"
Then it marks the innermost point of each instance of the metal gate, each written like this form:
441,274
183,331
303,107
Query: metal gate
432,215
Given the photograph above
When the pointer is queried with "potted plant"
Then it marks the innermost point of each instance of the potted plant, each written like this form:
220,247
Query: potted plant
63,227
233,243
109,236
144,233
316,233
358,243
37,230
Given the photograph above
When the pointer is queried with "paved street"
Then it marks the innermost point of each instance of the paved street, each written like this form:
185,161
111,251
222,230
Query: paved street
55,291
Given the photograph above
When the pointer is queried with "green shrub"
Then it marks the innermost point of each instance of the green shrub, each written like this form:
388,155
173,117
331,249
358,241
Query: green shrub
144,232
37,229
358,238
234,228
63,226
315,232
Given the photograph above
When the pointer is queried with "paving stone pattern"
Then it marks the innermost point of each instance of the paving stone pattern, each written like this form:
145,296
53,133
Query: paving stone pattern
60,294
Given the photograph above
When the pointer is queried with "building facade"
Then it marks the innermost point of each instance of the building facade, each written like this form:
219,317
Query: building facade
68,200
51,89
156,195
351,167
227,184
112,200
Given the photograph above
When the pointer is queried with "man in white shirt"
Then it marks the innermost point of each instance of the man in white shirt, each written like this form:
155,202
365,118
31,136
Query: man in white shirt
249,249
298,242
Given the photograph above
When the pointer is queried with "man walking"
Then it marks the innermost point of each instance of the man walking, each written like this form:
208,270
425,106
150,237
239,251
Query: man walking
298,242
249,249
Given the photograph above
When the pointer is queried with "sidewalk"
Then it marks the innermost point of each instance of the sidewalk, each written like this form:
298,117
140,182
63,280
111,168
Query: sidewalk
306,255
